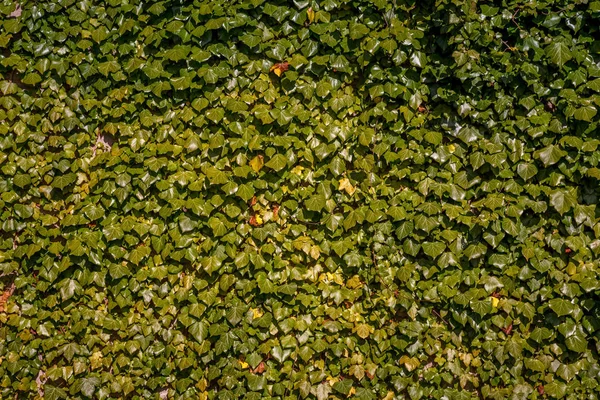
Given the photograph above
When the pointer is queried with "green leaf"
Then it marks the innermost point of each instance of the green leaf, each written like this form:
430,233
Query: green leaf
68,289
138,254
277,162
235,313
558,52
315,203
53,393
343,386
199,330
526,171
556,389
113,232
563,200
62,181
88,386
550,155
577,343
561,307
433,249
118,270
482,307
585,113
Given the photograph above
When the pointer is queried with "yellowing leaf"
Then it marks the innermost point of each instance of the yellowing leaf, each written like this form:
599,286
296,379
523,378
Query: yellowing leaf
352,391
96,360
354,282
347,186
257,163
409,362
297,170
315,252
495,301
256,313
451,148
243,364
311,15
363,330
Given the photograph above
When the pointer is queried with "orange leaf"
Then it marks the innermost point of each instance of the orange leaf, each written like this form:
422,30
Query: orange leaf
5,296
280,68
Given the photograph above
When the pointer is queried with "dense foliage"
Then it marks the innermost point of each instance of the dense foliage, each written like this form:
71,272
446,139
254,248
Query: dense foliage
288,199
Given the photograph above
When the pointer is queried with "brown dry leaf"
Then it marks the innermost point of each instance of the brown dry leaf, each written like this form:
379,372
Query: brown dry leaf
259,369
256,220
280,68
5,296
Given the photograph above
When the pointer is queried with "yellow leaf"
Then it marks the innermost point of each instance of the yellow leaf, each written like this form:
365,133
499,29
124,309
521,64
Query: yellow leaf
243,364
259,219
96,360
354,282
451,148
347,186
257,163
315,252
256,313
352,391
495,301
332,380
298,170
409,363
311,15
363,331
337,278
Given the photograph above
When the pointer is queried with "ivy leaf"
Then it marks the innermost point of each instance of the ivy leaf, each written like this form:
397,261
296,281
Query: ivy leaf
315,203
88,386
562,200
62,181
527,171
561,307
118,270
585,113
550,155
576,343
54,393
235,314
343,386
558,52
277,162
433,249
138,254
